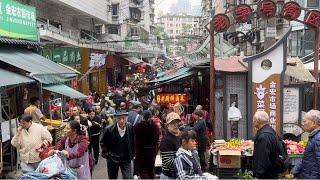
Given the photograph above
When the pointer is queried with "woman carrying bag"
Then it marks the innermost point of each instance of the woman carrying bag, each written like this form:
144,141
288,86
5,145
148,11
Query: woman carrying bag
74,145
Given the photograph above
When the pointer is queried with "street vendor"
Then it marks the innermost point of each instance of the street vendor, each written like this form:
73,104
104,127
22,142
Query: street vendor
30,136
34,111
74,145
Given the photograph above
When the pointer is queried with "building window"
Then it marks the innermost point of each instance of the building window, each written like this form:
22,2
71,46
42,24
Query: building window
313,4
177,31
113,29
171,19
115,8
177,25
171,31
134,31
171,25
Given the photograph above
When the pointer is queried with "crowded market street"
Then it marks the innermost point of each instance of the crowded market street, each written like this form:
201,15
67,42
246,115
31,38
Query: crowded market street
159,89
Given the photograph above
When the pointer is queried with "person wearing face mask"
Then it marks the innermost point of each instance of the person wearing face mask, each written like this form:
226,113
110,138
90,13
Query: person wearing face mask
30,136
169,146
117,144
309,167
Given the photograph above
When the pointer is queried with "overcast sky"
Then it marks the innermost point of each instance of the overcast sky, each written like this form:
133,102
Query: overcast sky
164,5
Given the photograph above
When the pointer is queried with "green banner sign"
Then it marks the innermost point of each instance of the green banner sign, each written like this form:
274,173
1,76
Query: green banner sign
64,55
18,20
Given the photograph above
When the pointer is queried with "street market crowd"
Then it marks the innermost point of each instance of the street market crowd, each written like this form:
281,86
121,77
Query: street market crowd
130,131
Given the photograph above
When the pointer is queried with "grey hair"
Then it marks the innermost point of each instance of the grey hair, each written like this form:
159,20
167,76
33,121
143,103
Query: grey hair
261,116
314,116
199,107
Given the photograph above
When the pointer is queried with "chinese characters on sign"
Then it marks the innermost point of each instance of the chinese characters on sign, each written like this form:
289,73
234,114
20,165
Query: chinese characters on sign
291,11
221,22
18,20
171,98
242,13
273,104
312,18
266,97
267,9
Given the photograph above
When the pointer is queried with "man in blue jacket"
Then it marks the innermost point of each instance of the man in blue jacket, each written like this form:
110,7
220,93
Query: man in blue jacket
309,168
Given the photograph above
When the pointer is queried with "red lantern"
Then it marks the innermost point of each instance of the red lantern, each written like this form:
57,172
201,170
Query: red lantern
267,9
242,13
312,18
221,23
291,11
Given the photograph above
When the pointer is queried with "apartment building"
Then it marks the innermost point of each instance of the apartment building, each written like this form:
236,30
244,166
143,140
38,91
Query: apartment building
176,25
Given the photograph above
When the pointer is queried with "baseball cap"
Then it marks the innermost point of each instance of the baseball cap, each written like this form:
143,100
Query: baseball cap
171,117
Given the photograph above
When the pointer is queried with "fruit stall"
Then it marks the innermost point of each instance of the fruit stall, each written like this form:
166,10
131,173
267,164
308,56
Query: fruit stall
295,151
231,158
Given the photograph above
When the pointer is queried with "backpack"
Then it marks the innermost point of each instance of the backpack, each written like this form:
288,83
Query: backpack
281,162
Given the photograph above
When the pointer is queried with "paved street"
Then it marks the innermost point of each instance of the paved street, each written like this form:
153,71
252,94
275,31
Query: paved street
100,170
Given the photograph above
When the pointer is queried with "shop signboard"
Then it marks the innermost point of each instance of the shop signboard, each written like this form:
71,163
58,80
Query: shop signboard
97,59
171,98
18,20
64,55
291,105
266,73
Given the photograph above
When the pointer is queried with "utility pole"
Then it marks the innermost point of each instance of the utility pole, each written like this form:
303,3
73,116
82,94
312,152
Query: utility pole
316,68
212,78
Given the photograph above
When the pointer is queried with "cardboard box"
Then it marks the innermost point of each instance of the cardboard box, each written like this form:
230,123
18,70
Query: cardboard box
229,159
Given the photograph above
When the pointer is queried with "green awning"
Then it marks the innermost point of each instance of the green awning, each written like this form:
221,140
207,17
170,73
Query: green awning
8,78
64,90
187,74
40,68
179,72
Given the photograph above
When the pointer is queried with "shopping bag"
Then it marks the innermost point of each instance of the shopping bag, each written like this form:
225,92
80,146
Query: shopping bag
51,166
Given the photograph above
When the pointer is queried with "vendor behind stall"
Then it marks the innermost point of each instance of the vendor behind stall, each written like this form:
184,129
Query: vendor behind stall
34,111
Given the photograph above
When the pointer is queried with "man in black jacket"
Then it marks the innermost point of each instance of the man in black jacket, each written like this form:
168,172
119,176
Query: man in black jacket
265,147
117,146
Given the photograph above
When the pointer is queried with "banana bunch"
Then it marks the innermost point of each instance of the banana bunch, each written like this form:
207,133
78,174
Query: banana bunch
233,142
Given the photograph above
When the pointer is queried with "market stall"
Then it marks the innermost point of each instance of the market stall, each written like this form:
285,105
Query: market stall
232,158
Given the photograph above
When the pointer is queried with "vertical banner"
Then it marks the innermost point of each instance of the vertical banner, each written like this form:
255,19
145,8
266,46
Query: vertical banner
266,73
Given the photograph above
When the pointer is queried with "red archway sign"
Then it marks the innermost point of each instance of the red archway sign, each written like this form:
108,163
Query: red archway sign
312,18
221,23
242,13
291,11
267,9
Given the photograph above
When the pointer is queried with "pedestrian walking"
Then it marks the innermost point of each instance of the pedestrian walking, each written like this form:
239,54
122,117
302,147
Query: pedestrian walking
185,162
30,136
267,149
147,138
34,111
74,145
94,134
169,146
134,116
309,167
200,128
117,144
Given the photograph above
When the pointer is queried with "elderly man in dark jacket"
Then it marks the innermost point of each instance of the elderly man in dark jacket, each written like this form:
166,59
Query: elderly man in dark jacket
309,168
265,147
117,146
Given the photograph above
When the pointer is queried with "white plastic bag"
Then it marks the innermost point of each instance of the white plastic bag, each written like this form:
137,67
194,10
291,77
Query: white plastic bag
51,166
